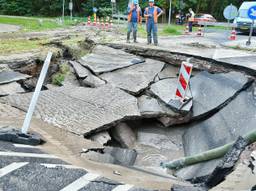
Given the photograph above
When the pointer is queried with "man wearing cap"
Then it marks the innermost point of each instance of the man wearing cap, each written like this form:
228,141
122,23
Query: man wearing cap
134,17
152,13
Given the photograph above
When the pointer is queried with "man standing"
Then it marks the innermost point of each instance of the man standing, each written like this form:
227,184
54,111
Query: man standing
152,13
134,17
191,17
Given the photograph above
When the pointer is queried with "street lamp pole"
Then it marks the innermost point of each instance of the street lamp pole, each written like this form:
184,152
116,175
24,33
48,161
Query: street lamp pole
63,11
170,13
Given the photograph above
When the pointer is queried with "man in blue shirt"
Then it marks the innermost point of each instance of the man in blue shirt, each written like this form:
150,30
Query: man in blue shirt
152,13
134,17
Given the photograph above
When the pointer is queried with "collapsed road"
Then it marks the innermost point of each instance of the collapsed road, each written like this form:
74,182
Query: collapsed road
118,96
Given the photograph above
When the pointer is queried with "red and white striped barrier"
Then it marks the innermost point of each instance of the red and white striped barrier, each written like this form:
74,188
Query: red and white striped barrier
183,82
89,21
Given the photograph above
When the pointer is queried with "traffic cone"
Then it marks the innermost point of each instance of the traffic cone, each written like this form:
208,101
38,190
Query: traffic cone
106,23
233,35
186,31
98,22
94,22
111,23
102,24
89,21
199,32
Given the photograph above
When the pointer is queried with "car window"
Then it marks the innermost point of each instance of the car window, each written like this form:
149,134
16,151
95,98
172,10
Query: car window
243,13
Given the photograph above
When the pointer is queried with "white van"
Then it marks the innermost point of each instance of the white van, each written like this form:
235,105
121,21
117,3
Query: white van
242,20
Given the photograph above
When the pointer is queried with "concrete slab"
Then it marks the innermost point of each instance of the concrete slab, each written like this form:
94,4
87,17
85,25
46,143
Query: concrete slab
105,59
211,91
10,76
80,110
135,78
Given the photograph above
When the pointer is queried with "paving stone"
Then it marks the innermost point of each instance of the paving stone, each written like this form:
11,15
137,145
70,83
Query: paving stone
11,88
10,76
124,134
211,91
81,71
135,78
78,109
105,59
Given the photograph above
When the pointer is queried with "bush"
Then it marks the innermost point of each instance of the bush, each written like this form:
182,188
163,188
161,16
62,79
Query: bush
59,77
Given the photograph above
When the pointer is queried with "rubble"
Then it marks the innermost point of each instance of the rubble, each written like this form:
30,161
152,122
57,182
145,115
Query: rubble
124,135
113,155
227,164
102,137
113,59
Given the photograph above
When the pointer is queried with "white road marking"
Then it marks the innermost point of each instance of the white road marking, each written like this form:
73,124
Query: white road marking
24,146
60,165
81,182
125,187
32,155
14,166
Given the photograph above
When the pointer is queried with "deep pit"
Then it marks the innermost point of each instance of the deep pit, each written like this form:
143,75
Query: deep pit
118,96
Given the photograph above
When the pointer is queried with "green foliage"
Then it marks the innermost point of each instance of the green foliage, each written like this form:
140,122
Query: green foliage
59,77
84,8
171,30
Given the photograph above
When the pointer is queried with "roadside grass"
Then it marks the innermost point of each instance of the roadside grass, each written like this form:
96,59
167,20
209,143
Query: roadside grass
19,45
37,24
171,30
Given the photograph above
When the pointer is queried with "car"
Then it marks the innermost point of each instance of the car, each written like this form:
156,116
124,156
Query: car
203,18
242,21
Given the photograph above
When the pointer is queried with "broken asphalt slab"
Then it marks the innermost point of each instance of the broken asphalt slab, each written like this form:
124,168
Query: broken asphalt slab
211,92
80,110
10,76
164,90
11,88
105,59
135,78
235,119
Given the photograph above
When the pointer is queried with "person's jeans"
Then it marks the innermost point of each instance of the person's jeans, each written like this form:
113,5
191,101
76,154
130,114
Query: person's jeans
132,26
152,28
190,26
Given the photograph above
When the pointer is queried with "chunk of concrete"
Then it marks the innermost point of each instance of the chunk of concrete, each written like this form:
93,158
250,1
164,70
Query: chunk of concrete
169,71
10,76
113,155
165,91
98,157
125,157
227,164
211,91
101,137
124,134
80,110
105,59
11,88
92,81
80,71
151,107
135,78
